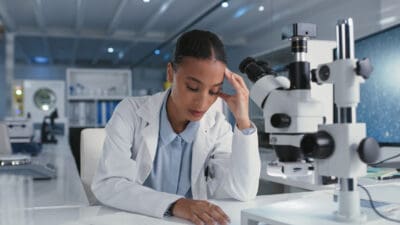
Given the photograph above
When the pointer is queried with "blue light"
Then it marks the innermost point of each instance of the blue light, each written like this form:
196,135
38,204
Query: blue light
241,11
40,59
166,57
157,51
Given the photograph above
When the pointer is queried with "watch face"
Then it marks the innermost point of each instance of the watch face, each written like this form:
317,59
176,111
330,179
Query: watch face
45,99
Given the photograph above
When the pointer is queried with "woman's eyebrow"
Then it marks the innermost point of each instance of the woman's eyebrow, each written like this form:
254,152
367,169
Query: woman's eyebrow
198,81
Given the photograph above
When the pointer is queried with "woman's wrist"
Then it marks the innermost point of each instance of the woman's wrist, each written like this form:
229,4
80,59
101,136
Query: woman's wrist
243,123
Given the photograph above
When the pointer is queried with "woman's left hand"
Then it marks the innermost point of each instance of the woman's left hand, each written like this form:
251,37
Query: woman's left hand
239,102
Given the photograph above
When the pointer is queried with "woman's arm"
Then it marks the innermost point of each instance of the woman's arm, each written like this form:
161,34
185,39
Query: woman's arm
115,182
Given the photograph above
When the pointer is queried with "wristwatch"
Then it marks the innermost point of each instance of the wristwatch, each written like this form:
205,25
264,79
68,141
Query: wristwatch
169,210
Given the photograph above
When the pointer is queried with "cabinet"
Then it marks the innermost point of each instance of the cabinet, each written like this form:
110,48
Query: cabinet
93,94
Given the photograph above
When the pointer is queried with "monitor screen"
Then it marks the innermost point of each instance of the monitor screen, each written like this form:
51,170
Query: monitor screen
379,105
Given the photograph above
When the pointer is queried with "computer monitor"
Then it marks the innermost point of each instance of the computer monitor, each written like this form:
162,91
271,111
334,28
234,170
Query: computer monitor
379,105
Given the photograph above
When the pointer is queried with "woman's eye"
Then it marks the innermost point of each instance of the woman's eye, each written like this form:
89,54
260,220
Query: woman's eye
192,89
215,92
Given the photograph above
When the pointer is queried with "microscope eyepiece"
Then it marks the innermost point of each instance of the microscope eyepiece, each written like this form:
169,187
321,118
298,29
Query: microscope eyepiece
254,69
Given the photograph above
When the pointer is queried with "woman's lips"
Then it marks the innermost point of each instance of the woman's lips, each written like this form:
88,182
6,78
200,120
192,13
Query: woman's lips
196,113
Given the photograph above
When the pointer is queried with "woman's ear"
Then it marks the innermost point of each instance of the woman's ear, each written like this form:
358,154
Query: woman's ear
170,73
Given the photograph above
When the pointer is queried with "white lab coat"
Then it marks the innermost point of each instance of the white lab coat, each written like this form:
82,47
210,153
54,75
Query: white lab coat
130,146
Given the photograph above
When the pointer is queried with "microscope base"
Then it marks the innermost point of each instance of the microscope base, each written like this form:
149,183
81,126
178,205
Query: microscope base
314,208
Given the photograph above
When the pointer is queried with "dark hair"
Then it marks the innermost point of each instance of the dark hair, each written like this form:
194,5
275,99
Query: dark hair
198,44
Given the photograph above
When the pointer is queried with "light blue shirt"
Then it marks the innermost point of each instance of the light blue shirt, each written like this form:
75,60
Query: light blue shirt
172,163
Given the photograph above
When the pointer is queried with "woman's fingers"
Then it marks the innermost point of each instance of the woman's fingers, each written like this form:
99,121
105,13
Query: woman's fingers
236,81
224,96
231,78
219,215
200,212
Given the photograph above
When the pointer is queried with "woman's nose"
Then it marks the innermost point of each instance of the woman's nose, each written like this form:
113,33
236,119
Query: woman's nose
204,100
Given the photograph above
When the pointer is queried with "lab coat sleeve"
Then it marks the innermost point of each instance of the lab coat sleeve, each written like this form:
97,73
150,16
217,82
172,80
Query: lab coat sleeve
115,182
234,166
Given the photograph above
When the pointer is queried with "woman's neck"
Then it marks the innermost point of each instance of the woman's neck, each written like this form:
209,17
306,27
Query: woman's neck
175,119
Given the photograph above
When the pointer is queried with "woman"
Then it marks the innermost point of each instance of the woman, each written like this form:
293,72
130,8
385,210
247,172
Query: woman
166,154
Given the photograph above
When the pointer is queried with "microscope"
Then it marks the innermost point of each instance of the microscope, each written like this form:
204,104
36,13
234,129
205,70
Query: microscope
47,130
288,108
296,123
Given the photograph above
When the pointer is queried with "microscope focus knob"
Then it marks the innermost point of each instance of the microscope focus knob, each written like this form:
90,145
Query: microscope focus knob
318,145
368,150
364,68
280,120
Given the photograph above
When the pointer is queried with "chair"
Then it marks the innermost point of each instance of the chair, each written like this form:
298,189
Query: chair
5,145
92,140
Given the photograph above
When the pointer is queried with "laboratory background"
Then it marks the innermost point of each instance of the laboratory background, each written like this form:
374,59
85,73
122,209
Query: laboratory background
326,104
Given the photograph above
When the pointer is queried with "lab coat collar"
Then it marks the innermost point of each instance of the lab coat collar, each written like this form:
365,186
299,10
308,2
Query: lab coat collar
149,111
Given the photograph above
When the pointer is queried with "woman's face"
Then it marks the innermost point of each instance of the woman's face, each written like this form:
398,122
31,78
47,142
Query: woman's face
195,86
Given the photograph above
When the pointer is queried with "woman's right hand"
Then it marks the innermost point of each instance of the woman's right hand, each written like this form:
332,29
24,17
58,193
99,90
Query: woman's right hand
200,212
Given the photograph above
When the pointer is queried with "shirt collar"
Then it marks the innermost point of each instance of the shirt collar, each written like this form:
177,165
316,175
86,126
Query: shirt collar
167,134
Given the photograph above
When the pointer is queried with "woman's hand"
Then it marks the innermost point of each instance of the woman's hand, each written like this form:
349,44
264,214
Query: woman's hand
239,102
199,212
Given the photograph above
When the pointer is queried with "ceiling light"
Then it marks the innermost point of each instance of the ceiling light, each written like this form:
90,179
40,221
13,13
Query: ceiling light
166,57
45,107
387,20
241,11
146,1
110,50
40,59
261,8
224,4
18,92
157,52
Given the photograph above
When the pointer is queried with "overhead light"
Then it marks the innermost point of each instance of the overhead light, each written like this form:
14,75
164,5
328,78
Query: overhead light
121,55
157,52
146,1
225,4
261,8
167,56
18,92
241,11
110,50
45,107
40,59
387,20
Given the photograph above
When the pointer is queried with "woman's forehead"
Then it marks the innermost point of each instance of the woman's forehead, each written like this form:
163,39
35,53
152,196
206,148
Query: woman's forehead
207,71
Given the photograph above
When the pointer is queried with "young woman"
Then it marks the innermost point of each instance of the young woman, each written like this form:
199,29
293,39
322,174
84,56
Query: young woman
168,153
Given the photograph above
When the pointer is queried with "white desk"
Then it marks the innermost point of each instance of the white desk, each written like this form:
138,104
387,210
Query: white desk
66,190
318,208
90,215
308,182
101,215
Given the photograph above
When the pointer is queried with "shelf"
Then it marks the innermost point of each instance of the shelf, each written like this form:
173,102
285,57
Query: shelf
93,94
85,125
95,98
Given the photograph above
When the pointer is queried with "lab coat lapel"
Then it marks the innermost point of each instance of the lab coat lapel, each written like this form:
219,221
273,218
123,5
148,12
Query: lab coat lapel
150,113
200,151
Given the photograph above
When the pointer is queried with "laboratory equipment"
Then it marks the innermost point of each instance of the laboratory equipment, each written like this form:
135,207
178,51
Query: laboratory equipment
42,97
20,130
340,149
289,110
48,129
